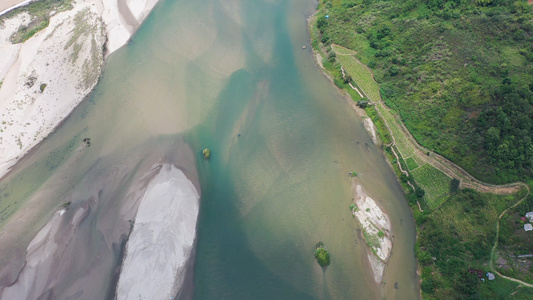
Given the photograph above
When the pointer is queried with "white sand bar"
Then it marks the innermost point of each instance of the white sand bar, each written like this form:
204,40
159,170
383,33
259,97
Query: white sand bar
162,238
373,221
47,76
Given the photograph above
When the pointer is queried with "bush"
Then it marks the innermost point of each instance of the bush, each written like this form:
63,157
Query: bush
454,185
331,57
404,177
394,70
206,153
321,23
362,104
428,285
347,79
322,257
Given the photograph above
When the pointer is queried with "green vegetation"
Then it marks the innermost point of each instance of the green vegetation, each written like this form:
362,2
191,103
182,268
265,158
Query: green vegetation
353,174
383,132
513,241
207,153
25,32
360,73
435,183
372,240
322,255
411,163
40,13
455,71
353,207
459,76
454,185
458,237
42,87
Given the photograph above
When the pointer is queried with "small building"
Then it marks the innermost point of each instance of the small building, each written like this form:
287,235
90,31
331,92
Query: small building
529,215
524,219
528,227
491,276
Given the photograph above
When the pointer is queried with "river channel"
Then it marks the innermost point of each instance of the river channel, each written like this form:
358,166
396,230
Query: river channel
232,76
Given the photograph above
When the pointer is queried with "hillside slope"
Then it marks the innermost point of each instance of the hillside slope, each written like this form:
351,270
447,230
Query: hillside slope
459,73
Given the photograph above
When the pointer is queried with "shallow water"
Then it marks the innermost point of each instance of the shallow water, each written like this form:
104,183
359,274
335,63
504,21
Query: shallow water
231,76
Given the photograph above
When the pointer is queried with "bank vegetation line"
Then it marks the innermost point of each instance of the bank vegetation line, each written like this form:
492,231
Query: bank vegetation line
450,169
436,160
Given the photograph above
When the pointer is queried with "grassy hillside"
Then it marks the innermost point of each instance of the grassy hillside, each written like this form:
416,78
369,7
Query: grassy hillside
459,73
455,241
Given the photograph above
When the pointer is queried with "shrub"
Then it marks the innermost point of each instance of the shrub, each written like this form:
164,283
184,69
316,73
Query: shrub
428,285
362,104
206,153
347,79
394,70
322,255
404,177
454,185
331,57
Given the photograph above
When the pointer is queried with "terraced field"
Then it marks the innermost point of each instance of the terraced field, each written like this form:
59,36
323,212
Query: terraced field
434,182
411,163
431,171
360,73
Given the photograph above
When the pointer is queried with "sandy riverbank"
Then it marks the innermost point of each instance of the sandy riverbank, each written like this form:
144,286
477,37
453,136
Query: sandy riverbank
47,76
376,228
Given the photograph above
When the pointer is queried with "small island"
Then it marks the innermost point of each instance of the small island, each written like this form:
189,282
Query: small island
206,153
322,254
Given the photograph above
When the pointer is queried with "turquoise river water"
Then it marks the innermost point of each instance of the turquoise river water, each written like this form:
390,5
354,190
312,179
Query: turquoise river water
230,75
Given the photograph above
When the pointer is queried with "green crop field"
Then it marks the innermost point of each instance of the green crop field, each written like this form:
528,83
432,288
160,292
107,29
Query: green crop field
342,51
365,81
434,182
411,163
359,73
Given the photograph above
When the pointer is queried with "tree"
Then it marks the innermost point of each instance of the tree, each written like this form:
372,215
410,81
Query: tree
206,153
394,70
454,185
347,79
321,23
420,192
322,254
322,257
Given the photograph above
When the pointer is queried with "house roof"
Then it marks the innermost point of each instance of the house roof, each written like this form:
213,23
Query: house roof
528,227
491,276
529,214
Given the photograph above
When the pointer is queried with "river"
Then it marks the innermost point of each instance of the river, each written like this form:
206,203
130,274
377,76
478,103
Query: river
230,76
